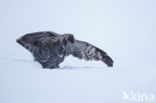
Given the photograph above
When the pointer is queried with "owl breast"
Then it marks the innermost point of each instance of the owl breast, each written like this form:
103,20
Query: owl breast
48,58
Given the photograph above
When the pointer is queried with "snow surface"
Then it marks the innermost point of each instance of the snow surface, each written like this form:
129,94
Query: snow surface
125,29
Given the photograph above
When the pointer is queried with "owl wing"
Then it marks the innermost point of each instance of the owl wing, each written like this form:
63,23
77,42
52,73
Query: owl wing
34,40
86,51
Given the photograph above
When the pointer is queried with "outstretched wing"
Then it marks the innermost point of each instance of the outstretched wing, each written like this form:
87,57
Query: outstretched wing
32,40
84,50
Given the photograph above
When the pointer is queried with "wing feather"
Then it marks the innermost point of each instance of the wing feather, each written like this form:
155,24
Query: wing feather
32,40
86,51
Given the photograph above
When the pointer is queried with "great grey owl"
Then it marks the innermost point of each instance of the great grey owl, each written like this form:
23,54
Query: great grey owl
50,49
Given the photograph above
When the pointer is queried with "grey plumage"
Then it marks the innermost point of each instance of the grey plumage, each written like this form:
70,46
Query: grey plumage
50,49
84,50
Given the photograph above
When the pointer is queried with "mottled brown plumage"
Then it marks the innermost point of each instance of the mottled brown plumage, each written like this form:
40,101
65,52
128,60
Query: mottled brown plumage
50,49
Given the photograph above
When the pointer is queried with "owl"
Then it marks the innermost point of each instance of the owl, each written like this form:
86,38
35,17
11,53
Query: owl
50,48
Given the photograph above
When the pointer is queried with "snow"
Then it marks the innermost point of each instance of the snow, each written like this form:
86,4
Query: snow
25,81
124,29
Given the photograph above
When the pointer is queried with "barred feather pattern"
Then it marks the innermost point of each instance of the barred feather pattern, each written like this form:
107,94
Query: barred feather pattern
48,59
50,49
43,47
86,51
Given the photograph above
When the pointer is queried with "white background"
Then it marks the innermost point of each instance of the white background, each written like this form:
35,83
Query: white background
125,29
